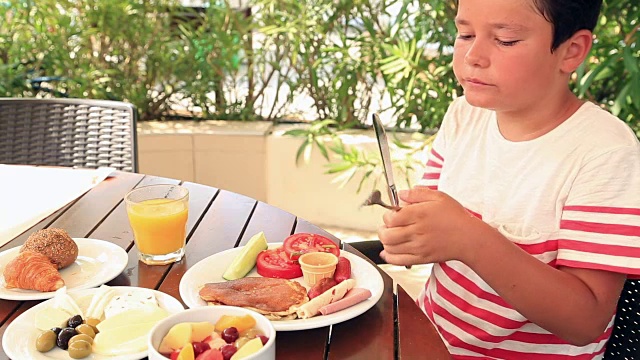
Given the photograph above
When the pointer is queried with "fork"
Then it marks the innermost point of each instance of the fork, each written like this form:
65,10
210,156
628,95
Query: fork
375,198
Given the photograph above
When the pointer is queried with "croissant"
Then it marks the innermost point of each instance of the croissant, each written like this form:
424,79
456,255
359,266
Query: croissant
32,271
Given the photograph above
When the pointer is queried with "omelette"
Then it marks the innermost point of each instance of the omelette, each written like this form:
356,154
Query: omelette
276,299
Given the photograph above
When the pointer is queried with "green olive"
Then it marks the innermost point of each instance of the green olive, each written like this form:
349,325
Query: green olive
86,329
84,337
46,341
93,322
79,349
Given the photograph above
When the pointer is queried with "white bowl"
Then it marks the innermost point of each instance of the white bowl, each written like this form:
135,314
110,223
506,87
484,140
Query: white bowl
212,314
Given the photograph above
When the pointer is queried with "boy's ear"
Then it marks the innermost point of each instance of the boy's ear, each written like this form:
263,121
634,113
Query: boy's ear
575,50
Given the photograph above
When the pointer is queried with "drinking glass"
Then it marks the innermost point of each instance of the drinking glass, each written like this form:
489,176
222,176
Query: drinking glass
158,216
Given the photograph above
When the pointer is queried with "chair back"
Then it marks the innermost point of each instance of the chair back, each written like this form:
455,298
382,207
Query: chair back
68,132
625,338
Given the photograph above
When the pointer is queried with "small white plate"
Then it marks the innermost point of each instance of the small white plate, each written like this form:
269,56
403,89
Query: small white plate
98,262
210,270
19,339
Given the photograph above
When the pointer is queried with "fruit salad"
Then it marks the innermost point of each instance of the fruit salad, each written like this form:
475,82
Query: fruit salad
230,338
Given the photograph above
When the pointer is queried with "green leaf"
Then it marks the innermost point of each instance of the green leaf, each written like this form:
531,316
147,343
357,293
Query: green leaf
343,179
630,62
296,132
301,151
339,167
322,148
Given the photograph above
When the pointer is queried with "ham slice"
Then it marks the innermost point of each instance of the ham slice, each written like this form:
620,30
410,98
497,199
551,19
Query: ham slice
312,308
354,296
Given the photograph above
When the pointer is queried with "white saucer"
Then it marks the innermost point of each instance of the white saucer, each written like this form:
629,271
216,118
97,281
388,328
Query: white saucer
98,262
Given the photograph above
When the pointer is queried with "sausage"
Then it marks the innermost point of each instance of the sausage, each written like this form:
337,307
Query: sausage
343,270
321,286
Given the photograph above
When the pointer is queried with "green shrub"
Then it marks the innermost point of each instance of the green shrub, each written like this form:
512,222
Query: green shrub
345,55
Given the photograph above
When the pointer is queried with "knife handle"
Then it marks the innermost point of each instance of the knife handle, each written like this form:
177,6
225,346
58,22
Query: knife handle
393,196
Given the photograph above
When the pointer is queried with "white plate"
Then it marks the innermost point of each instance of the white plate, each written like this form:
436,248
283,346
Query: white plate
19,339
210,270
98,262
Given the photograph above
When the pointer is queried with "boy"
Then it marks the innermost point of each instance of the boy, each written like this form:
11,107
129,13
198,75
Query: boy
530,204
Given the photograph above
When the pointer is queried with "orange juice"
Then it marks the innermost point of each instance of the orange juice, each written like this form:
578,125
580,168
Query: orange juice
159,225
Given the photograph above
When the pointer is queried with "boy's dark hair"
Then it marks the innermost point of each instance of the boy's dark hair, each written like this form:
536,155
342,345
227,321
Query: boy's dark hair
569,16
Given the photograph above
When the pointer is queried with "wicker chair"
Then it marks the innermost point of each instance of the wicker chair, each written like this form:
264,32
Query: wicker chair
625,339
68,132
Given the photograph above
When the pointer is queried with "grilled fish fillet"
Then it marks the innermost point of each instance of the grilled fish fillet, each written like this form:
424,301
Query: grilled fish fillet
274,298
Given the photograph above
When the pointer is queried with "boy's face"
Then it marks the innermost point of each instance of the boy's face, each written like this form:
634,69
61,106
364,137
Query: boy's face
502,55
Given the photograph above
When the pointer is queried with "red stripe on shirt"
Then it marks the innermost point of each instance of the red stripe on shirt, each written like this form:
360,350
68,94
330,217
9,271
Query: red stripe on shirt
431,176
600,228
511,333
479,216
471,287
470,309
539,248
511,354
589,265
603,209
434,164
599,248
436,155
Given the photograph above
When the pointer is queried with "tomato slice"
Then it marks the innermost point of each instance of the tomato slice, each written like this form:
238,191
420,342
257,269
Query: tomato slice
275,263
298,244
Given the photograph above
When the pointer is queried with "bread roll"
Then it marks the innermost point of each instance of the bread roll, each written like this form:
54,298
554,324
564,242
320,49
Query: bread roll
55,244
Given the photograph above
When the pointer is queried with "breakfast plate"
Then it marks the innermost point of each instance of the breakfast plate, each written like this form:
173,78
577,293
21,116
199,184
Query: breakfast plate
19,339
210,270
98,262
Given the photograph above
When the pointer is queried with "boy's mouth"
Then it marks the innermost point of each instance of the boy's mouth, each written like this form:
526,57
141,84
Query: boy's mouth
475,81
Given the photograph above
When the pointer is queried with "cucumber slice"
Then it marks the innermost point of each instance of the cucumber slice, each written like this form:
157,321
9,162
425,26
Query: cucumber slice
246,260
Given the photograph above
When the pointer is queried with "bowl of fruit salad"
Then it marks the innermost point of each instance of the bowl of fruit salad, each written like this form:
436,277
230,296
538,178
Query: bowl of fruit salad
213,333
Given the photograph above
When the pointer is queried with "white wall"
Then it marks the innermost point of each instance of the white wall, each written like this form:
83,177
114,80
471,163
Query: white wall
255,160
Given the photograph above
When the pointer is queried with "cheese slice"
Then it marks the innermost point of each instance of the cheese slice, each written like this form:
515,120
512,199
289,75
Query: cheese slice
134,299
125,319
48,318
123,340
64,302
99,301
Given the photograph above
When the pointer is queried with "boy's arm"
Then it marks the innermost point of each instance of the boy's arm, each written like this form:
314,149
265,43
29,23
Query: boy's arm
575,304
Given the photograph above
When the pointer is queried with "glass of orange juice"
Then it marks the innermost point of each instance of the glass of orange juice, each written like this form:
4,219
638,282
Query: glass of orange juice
158,216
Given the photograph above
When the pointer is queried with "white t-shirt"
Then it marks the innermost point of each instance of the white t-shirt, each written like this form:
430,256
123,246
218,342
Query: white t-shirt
570,197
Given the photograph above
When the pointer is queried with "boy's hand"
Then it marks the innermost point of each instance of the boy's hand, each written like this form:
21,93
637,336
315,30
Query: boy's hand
431,227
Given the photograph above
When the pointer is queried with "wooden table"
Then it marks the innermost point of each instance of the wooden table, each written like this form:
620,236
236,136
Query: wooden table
219,220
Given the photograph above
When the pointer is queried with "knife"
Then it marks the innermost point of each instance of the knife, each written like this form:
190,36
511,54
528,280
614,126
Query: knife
383,144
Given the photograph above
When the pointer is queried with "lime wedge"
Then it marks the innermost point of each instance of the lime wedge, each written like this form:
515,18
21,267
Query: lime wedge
246,260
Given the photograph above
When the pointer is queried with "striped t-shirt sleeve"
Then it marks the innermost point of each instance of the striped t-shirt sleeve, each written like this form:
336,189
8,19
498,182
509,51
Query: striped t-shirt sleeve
600,224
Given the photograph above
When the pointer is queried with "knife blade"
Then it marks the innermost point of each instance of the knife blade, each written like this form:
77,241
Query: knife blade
383,144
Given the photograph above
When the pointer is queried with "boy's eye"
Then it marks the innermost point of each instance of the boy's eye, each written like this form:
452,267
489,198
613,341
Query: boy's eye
464,37
507,43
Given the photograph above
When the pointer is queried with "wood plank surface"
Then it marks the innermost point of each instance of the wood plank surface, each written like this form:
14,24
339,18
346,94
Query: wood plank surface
220,220
276,224
418,338
220,229
78,220
115,228
375,328
150,276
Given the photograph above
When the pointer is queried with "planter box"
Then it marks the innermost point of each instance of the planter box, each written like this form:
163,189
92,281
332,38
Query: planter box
257,160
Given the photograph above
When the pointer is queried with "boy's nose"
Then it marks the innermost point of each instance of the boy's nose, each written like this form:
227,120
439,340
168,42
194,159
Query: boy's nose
476,56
